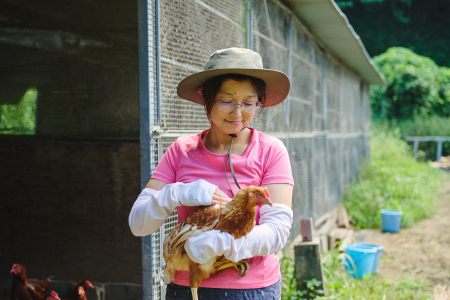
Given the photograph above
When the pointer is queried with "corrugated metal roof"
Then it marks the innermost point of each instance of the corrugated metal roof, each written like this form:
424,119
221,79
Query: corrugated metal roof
327,22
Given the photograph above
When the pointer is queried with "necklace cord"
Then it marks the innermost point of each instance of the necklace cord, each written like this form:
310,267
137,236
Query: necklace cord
228,158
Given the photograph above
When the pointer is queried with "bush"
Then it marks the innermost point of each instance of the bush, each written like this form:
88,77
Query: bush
392,179
416,86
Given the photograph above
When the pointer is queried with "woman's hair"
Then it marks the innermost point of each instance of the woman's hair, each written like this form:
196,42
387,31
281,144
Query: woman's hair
212,86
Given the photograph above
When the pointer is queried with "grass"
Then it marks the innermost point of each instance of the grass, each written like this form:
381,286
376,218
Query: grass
340,285
392,179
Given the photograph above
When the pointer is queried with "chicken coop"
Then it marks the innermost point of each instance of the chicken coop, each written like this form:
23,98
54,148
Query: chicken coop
88,106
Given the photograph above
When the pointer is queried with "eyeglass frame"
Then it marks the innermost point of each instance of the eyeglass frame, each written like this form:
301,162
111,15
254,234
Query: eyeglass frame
236,105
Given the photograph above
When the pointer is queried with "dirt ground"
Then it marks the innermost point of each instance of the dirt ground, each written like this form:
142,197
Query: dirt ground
422,251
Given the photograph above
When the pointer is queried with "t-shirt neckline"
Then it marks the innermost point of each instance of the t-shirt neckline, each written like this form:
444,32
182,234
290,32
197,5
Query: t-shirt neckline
244,154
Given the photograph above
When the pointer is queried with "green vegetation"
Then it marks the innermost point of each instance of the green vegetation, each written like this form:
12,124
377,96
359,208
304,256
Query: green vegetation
340,285
416,86
392,179
19,118
419,25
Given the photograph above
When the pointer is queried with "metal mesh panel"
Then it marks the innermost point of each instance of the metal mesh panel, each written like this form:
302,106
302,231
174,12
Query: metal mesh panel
346,103
323,160
318,100
333,109
321,205
301,83
335,173
301,160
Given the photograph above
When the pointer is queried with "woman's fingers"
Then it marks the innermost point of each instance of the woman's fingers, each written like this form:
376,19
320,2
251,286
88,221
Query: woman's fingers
219,196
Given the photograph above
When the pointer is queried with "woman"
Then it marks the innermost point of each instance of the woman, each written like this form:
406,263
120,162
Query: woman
191,173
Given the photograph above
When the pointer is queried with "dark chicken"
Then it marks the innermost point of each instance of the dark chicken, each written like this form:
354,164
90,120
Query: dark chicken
236,217
77,294
22,289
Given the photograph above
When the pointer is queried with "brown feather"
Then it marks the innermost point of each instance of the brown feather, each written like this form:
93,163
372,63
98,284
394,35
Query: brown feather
236,217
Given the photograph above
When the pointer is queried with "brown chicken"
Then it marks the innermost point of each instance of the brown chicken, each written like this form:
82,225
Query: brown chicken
79,293
236,217
22,289
53,296
76,294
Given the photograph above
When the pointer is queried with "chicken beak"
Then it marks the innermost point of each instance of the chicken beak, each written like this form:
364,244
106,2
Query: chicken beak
267,201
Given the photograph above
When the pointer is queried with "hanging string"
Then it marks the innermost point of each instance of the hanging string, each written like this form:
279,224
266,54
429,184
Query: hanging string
228,158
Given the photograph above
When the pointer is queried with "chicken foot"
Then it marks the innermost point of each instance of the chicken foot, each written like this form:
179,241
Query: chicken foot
194,294
242,266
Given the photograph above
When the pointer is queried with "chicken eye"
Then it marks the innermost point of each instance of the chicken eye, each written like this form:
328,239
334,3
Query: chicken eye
259,194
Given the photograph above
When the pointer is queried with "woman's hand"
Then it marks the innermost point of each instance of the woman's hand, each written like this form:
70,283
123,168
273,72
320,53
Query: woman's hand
219,196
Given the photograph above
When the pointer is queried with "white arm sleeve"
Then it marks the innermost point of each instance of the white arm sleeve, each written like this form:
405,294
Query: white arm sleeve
152,208
264,239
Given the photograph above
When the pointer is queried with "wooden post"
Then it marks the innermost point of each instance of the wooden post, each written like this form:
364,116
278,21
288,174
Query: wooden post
308,264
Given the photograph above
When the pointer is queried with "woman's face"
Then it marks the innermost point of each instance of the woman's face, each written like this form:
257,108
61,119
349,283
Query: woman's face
236,120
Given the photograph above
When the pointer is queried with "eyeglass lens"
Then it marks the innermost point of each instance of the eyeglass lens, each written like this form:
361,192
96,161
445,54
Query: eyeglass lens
229,106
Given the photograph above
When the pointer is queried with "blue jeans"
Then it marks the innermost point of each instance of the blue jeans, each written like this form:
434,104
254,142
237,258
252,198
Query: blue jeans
181,292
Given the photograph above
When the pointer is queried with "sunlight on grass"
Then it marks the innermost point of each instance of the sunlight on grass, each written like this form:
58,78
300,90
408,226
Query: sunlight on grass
340,285
19,119
392,179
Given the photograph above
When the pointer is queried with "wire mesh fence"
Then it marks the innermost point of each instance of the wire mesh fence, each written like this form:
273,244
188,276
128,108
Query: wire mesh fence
324,123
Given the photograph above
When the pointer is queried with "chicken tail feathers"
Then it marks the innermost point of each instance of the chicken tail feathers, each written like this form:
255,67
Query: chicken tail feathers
169,274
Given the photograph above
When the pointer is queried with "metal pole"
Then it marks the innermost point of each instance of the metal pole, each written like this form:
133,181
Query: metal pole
351,120
144,119
325,128
313,140
158,61
341,141
289,71
363,119
249,25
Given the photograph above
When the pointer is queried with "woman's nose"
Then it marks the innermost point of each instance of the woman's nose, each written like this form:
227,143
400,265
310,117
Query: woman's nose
237,110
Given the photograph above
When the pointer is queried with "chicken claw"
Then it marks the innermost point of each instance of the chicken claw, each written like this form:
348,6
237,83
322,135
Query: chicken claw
242,266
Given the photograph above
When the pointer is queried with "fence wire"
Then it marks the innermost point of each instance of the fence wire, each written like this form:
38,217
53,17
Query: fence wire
325,124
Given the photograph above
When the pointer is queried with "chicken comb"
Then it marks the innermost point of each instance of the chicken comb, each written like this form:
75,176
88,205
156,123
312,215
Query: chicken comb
54,294
267,192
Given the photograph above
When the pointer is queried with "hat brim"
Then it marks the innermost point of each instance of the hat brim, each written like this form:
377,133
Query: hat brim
277,84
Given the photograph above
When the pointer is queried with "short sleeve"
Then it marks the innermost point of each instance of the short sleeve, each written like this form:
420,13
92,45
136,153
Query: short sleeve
277,168
166,170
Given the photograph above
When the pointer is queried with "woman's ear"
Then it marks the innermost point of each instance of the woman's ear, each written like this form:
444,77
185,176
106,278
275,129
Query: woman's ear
200,91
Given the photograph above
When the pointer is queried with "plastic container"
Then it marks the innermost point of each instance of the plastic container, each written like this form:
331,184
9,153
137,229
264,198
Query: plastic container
379,249
363,259
391,219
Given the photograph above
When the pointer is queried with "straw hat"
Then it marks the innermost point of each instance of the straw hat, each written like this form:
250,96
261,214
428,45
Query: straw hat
236,61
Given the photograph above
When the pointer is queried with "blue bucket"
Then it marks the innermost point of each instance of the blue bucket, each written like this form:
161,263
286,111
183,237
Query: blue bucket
363,259
379,249
391,219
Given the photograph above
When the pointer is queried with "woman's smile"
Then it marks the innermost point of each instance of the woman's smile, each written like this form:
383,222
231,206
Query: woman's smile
234,122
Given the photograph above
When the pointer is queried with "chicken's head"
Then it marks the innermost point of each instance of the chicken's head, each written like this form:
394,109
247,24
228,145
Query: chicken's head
53,296
17,269
87,285
259,196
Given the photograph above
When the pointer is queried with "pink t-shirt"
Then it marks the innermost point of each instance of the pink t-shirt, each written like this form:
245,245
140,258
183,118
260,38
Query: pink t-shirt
265,161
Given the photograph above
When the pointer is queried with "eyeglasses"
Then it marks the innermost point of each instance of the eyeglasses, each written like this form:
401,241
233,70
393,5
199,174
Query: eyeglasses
229,106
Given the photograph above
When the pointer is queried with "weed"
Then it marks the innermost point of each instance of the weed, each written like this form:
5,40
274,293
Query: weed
392,179
340,285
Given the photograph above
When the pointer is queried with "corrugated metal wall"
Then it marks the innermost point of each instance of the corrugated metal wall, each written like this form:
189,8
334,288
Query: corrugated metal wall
324,123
